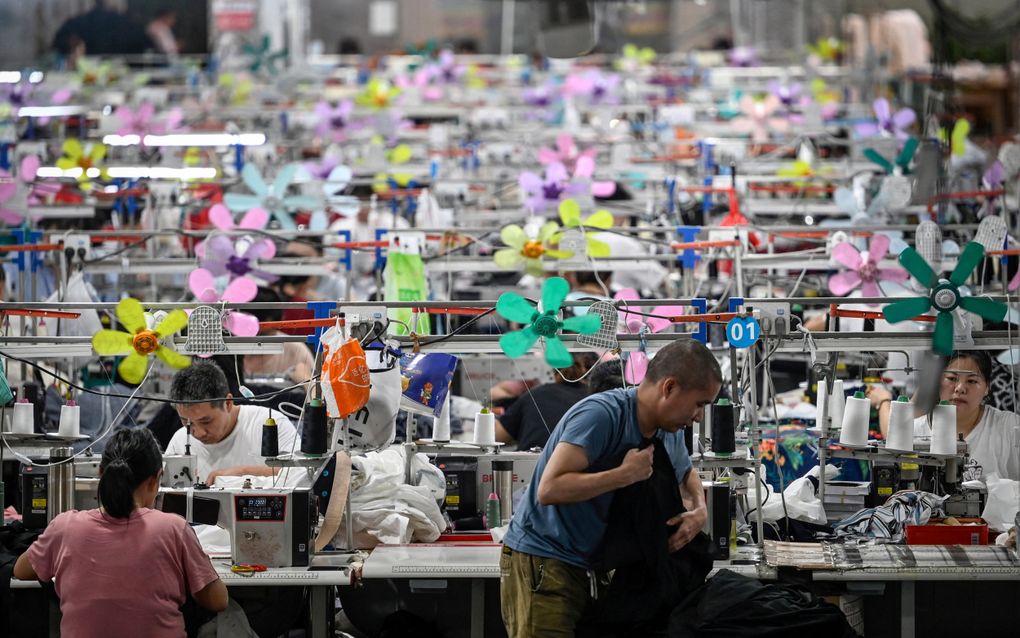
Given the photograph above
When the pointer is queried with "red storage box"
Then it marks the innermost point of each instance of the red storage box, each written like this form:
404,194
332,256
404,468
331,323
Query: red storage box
972,531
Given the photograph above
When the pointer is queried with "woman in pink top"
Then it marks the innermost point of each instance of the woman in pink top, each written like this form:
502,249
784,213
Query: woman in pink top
124,570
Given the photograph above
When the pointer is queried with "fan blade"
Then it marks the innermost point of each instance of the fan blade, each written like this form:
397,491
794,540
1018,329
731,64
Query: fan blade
241,324
875,157
507,257
513,236
907,154
990,310
558,254
570,213
221,217
172,358
918,267
132,368
517,343
842,283
175,321
554,291
660,323
547,230
253,180
601,219
878,248
283,179
942,339
597,247
261,249
203,285
636,368
846,254
131,315
556,354
906,309
514,307
256,218
112,342
240,290
585,324
240,201
971,256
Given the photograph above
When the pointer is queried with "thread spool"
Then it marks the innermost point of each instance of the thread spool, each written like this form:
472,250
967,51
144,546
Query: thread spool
820,400
723,427
855,421
901,425
70,420
943,429
503,487
314,435
485,428
837,405
23,421
441,425
270,438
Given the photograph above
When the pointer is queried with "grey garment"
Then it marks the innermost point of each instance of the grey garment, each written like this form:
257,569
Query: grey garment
229,623
97,411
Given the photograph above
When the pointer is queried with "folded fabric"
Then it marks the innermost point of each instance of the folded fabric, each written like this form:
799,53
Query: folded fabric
887,523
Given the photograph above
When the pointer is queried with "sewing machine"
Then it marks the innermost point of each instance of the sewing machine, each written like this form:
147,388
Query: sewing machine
270,526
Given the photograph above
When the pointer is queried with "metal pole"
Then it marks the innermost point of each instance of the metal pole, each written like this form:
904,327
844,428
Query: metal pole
755,435
506,41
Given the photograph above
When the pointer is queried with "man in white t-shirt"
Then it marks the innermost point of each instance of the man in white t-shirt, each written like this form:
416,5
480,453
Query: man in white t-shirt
225,438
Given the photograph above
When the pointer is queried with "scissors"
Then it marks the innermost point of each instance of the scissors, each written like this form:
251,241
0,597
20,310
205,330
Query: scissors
247,569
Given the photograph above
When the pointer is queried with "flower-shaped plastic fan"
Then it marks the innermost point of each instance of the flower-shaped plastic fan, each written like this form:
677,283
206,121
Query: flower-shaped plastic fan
826,49
377,95
86,159
902,161
888,123
542,194
233,89
943,295
743,56
570,216
17,190
758,120
142,121
637,362
635,57
581,162
544,323
222,256
864,270
331,121
139,342
274,198
241,290
261,58
598,87
527,249
399,154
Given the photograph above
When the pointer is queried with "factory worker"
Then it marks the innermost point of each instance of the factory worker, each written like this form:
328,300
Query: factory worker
226,438
125,569
546,577
992,435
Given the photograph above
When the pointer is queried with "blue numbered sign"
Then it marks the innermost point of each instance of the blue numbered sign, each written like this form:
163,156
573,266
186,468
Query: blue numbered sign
742,332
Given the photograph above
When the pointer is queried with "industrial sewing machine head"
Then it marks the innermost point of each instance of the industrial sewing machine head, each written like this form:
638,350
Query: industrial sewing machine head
267,526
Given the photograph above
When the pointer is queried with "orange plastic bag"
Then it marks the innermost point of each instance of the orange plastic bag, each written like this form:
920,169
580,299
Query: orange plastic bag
345,380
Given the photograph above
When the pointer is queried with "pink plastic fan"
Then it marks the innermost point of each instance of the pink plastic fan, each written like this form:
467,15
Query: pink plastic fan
142,121
637,362
23,189
582,163
240,324
864,270
758,118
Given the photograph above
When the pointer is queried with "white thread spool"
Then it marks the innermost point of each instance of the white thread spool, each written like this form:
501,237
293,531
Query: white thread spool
70,419
837,404
943,429
901,425
441,425
24,418
855,421
485,427
820,400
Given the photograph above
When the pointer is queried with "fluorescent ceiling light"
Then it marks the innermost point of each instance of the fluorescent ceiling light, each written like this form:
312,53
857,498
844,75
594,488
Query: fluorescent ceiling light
161,172
49,111
76,172
122,140
205,139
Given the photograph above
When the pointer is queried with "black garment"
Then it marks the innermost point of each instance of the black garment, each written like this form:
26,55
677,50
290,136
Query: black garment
730,604
21,609
524,418
102,32
648,581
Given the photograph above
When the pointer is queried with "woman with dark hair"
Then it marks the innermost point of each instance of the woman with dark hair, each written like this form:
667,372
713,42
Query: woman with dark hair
991,434
125,569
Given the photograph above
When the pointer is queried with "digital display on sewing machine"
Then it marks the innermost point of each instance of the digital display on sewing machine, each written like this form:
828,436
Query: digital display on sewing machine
260,508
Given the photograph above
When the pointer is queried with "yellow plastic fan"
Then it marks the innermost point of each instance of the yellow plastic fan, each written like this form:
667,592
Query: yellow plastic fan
396,156
140,342
528,249
570,216
377,95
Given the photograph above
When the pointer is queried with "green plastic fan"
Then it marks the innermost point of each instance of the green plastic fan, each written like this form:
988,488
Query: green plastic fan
545,323
943,295
902,160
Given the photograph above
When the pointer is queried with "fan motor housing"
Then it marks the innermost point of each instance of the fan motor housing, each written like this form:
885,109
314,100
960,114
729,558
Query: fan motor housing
945,297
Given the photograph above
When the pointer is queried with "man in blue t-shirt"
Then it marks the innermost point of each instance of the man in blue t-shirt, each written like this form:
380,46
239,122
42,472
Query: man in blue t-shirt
546,579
